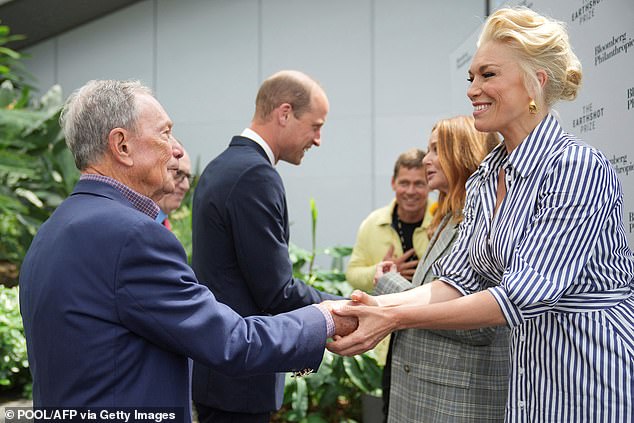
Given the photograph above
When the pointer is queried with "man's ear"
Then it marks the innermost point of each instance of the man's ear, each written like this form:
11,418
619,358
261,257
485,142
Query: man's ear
119,146
284,111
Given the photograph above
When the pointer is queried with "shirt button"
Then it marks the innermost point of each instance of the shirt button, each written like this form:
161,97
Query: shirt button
521,404
522,338
521,372
406,368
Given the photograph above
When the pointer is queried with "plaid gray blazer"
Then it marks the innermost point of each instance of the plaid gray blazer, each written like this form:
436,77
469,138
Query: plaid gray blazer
445,376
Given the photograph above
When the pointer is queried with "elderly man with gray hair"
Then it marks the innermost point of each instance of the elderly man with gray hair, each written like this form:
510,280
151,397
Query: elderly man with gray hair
111,309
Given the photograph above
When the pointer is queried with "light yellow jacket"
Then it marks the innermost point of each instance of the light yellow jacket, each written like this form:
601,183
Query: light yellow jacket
374,238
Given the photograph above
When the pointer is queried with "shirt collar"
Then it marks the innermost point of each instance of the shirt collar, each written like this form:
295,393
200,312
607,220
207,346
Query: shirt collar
140,202
255,137
536,146
527,156
161,216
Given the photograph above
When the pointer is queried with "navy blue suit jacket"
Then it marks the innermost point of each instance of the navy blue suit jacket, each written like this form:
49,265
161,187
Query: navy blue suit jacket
240,249
112,312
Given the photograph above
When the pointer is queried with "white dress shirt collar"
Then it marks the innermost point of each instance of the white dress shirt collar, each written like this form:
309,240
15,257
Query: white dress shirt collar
255,137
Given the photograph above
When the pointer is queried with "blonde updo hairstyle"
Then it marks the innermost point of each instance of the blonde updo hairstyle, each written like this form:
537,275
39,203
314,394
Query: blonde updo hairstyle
540,43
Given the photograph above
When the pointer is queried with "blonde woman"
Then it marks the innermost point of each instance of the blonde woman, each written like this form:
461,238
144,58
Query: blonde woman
542,246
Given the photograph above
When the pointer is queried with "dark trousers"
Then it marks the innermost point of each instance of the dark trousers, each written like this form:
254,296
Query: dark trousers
214,415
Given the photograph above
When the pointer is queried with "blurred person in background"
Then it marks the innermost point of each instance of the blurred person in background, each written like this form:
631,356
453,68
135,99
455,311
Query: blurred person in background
440,375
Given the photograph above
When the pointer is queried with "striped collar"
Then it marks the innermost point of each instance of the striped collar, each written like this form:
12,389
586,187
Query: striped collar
140,202
529,154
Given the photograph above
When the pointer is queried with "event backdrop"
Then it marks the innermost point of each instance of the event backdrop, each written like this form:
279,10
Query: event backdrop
602,35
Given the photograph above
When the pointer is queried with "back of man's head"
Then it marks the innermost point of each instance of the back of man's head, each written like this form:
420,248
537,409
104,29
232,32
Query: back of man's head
92,111
288,86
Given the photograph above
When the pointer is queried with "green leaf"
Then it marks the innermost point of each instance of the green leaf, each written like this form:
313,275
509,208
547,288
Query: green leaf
372,372
355,374
11,53
338,251
316,418
300,397
30,196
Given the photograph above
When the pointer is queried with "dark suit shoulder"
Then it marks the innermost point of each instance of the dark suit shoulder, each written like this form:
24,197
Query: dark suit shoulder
243,165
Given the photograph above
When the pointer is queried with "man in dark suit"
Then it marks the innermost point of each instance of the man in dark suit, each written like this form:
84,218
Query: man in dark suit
241,234
111,310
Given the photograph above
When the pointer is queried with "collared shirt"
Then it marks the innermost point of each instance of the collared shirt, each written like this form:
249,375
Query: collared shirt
330,322
161,216
255,137
555,257
140,202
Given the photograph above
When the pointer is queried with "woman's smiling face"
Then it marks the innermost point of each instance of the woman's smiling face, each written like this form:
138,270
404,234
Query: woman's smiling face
497,91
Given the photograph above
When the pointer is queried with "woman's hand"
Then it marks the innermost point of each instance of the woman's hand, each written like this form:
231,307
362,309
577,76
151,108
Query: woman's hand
383,268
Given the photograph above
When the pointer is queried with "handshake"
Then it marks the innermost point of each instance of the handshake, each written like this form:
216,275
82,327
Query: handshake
360,323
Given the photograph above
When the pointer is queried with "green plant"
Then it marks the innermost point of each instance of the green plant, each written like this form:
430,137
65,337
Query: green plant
11,67
14,366
181,218
36,169
333,394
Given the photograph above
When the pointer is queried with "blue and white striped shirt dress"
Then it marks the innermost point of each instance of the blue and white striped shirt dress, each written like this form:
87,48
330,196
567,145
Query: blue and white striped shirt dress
557,253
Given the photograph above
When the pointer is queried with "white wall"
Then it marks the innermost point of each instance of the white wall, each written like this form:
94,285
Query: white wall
385,65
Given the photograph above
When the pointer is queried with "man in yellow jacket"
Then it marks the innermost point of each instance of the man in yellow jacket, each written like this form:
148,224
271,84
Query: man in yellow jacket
398,231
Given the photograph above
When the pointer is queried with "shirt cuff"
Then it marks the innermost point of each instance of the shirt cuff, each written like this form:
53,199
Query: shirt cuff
330,322
512,314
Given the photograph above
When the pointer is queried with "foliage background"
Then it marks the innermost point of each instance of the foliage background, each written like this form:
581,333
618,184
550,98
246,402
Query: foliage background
36,173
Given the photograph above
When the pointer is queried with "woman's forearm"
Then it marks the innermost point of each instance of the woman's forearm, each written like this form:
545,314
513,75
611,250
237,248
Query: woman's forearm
466,312
433,292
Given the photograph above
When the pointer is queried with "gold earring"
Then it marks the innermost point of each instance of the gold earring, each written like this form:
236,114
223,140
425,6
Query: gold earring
532,107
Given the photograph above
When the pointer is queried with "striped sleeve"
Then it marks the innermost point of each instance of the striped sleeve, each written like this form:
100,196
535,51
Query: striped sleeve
455,268
573,203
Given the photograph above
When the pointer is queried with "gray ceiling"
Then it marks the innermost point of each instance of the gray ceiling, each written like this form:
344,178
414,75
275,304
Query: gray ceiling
42,19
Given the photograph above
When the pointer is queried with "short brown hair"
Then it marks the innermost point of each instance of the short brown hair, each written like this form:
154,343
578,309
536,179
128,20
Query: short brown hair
292,87
411,159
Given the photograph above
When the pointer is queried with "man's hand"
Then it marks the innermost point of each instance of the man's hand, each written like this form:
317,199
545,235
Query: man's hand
344,325
403,266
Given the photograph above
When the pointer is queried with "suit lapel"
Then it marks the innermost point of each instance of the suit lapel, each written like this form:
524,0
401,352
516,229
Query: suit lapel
439,245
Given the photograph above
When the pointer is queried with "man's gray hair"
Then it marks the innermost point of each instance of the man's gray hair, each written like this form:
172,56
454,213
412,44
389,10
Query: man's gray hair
95,109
